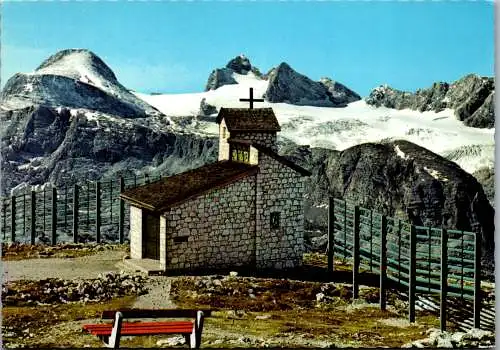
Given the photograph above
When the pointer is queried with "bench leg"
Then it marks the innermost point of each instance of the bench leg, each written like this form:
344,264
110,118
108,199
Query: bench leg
195,336
114,339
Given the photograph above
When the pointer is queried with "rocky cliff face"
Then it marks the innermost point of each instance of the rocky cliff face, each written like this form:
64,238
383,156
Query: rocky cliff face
220,77
224,76
287,85
240,64
472,98
340,93
72,120
399,179
42,145
75,79
486,177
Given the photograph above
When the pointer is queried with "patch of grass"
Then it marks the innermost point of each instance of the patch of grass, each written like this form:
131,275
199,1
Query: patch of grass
42,322
18,251
359,328
293,312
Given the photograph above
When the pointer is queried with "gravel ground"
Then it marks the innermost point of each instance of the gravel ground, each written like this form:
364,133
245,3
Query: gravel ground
82,267
88,267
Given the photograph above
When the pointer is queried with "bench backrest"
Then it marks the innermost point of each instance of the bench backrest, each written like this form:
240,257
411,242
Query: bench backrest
154,313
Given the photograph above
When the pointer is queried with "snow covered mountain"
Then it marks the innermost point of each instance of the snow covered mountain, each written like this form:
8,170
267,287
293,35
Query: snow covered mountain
75,79
71,120
338,128
285,85
471,97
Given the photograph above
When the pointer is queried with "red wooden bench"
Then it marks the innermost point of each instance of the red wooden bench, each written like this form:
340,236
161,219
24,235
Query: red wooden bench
110,333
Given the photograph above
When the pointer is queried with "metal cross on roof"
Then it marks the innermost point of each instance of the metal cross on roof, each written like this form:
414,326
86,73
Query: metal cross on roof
251,99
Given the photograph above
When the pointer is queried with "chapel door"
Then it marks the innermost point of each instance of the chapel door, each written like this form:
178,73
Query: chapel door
151,236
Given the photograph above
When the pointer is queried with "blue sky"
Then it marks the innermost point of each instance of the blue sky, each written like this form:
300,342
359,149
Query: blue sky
173,46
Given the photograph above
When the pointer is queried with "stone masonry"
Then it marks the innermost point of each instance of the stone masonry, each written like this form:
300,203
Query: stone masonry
221,229
267,139
218,227
279,189
256,220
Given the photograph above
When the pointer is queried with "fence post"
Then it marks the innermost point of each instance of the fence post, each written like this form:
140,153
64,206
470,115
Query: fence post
54,215
33,217
477,278
122,213
65,207
412,272
399,247
98,211
371,240
345,230
4,221
383,264
13,219
444,278
331,228
75,214
356,255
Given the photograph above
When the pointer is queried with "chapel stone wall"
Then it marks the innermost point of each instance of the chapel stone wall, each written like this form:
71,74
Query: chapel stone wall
267,139
279,189
214,230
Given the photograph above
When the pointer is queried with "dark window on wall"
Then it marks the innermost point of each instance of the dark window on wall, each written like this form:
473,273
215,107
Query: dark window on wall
181,239
275,220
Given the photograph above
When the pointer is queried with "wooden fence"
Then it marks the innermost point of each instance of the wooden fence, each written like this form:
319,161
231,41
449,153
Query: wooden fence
90,211
422,259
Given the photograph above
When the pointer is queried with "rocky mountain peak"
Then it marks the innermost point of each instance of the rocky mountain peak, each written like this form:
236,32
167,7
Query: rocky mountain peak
75,79
240,64
289,86
341,94
472,98
77,64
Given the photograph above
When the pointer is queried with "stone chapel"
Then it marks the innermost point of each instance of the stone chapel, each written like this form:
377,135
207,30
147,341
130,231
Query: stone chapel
245,210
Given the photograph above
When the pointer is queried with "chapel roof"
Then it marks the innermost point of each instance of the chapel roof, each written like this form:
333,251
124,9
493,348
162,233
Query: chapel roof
245,119
269,152
160,195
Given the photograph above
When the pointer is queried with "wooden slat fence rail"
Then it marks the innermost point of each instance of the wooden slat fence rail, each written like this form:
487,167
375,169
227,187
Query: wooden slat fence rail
407,254
88,211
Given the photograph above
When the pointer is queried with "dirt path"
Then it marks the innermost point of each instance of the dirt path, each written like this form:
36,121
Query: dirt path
85,267
158,296
82,267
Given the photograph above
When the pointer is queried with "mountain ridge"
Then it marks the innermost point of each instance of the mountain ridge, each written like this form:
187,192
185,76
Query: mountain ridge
285,84
471,97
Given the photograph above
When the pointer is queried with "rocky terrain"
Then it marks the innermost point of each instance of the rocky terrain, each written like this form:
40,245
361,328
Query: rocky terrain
472,97
224,76
486,177
57,290
400,179
72,120
248,311
286,85
74,78
474,338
